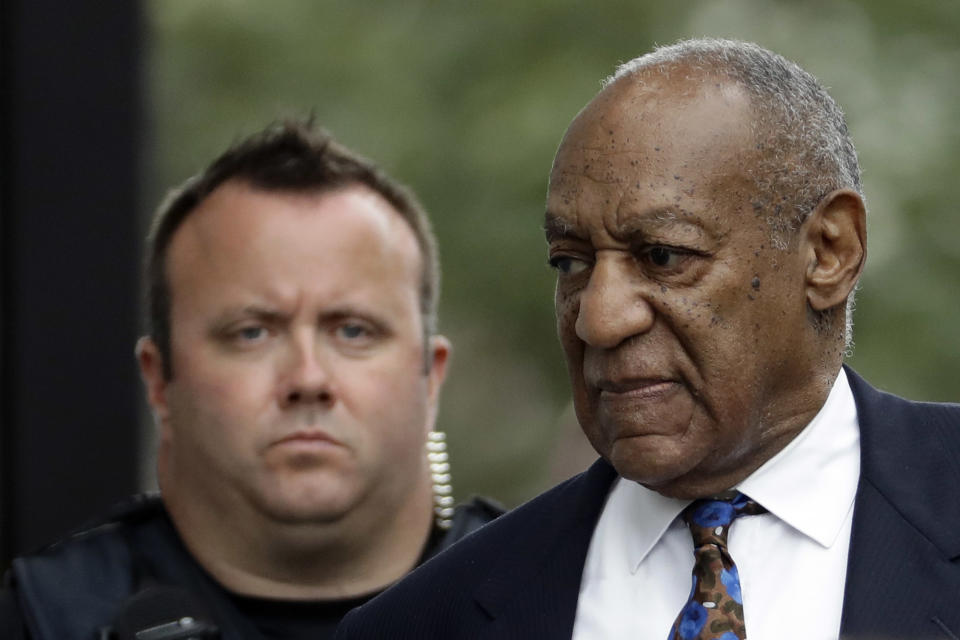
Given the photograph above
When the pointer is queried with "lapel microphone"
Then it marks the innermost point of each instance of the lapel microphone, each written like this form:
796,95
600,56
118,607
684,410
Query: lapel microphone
162,613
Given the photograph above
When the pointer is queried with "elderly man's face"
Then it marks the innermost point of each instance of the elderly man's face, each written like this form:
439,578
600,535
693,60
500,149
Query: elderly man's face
685,331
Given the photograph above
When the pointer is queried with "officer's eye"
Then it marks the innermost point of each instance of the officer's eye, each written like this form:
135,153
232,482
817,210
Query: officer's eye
246,336
251,333
353,331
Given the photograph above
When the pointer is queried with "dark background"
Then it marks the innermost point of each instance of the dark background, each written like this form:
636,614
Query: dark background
108,104
71,133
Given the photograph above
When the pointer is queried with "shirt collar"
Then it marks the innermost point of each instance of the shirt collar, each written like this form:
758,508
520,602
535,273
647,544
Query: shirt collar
647,516
810,484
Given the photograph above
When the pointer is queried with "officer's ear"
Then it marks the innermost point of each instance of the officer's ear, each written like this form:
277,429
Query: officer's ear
835,239
150,361
438,356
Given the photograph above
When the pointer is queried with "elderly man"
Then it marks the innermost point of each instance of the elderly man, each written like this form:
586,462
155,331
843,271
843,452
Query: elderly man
293,368
706,223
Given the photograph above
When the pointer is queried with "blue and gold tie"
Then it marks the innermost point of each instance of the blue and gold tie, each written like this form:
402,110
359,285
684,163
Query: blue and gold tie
715,608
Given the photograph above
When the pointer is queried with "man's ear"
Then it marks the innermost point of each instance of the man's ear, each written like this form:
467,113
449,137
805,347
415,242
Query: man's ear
151,372
836,245
439,356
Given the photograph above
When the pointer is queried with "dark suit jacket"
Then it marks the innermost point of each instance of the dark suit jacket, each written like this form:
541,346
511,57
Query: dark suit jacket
519,577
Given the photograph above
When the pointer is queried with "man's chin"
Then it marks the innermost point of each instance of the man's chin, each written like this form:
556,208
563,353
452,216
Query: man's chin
305,514
307,504
644,460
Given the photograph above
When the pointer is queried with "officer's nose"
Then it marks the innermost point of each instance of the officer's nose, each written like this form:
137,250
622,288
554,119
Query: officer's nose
307,377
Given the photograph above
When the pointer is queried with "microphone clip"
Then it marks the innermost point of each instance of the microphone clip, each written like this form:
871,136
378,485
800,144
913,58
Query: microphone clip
185,628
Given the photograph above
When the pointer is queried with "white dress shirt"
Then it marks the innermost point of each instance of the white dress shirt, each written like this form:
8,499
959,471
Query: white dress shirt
792,560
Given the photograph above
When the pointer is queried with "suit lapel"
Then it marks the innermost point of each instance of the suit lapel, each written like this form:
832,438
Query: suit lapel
532,590
903,576
903,579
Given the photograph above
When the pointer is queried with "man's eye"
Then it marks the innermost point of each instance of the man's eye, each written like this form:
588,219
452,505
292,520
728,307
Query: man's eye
567,266
664,257
251,334
244,337
354,331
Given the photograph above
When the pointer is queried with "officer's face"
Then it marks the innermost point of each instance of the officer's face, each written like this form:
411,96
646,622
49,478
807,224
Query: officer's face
298,391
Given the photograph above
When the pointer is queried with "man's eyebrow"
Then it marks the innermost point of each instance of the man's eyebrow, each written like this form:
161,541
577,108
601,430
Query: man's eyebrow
346,311
240,312
260,311
653,219
556,227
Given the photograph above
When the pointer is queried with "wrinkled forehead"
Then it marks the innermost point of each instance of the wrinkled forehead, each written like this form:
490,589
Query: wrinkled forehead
681,115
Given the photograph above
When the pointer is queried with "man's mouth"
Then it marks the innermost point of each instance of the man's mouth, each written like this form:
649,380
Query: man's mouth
308,437
636,388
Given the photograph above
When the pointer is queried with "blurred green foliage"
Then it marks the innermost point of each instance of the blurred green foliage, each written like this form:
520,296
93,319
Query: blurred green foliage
466,101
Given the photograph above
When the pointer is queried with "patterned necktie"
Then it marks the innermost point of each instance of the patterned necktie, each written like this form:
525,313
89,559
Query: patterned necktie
714,610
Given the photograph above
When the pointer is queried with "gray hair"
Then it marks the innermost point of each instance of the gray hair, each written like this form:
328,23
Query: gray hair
805,147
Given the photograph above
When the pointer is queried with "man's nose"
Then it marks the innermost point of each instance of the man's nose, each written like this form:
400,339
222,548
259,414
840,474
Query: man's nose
307,377
612,306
